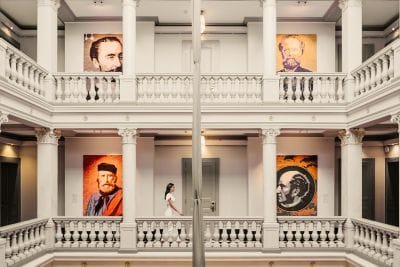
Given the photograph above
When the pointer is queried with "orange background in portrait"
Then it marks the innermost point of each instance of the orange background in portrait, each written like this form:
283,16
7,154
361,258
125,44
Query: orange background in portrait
87,61
309,58
312,168
90,163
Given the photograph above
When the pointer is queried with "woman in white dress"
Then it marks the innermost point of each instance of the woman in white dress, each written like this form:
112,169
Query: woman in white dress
170,201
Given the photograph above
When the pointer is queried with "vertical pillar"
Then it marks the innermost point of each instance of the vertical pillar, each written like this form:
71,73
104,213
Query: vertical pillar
270,80
128,81
47,34
3,118
270,225
3,252
351,158
128,225
351,34
396,245
47,172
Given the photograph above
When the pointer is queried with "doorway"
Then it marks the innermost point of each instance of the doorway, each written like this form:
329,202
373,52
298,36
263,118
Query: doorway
210,187
392,192
368,188
10,190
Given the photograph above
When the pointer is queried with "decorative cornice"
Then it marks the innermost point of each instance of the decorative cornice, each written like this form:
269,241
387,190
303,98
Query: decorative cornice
269,135
344,4
3,118
351,136
53,3
47,136
128,135
396,118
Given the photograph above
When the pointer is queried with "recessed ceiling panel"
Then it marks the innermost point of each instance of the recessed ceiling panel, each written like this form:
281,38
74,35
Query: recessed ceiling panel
302,9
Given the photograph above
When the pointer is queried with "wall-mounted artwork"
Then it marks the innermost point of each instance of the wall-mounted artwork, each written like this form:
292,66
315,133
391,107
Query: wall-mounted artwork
102,52
102,185
296,53
297,185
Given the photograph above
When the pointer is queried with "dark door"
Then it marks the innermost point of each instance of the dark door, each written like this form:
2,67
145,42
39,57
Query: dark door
10,191
368,189
392,191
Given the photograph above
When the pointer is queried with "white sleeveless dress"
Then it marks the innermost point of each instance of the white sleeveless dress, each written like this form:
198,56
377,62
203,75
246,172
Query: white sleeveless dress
169,212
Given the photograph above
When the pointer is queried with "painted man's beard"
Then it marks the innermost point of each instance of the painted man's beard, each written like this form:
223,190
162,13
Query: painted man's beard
291,63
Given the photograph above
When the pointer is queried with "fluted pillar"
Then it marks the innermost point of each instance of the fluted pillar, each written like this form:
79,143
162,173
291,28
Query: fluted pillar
47,172
351,173
270,225
351,34
128,225
47,21
396,243
128,81
270,79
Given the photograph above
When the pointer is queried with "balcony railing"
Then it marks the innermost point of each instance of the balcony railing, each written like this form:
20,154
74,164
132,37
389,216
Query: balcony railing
23,242
219,233
178,88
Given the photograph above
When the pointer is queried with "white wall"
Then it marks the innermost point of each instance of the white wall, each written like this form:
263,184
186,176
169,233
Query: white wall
232,176
28,181
29,47
74,40
325,42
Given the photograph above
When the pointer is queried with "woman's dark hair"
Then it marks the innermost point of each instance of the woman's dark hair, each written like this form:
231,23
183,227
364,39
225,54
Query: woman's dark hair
168,189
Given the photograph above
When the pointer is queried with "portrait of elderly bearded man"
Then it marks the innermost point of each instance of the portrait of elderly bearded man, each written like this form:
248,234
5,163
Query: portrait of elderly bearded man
107,201
292,50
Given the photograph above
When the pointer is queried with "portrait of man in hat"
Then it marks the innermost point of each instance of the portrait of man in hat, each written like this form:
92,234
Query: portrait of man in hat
107,200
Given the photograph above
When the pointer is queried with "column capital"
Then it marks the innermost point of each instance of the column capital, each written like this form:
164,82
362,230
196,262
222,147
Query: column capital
396,119
52,3
268,3
47,136
344,4
134,3
351,136
269,135
128,135
3,118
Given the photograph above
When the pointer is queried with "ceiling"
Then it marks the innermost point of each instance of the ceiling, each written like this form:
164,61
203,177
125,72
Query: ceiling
217,12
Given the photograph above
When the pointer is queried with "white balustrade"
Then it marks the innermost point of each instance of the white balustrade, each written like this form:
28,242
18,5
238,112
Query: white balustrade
374,73
219,233
87,232
93,87
22,71
374,240
311,232
311,87
224,88
24,240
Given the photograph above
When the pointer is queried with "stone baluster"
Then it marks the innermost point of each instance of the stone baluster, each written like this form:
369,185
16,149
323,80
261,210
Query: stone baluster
340,91
58,89
384,248
117,236
207,236
258,236
241,236
140,236
331,234
289,235
14,247
174,236
83,92
390,251
233,237
290,90
43,237
297,92
282,83
282,243
306,90
157,236
190,235
27,243
101,235
166,235
373,75
215,236
92,90
224,236
306,234
372,242
378,78
7,63
92,235
67,235
332,89
67,89
84,234
324,89
109,235
100,88
323,234
340,235
25,75
361,239
249,235
367,239
378,245
367,83
298,235
148,234
59,235
21,245
391,64
13,76
183,236
316,90
32,243
75,234
385,69
356,237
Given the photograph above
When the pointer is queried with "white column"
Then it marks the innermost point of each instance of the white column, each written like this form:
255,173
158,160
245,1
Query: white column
270,225
47,34
3,118
47,172
351,34
270,80
128,80
351,158
128,225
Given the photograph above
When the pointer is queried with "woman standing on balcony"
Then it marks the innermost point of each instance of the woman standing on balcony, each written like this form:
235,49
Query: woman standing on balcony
170,200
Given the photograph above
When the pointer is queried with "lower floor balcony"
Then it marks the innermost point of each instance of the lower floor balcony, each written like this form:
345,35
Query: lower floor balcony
228,241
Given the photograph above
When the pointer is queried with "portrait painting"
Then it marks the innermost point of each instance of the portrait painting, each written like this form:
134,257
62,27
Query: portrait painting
102,185
296,53
296,190
102,52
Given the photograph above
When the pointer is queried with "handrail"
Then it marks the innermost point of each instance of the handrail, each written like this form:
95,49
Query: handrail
21,225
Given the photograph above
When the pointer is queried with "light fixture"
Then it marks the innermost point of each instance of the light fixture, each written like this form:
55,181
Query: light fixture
202,22
97,2
11,27
302,2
